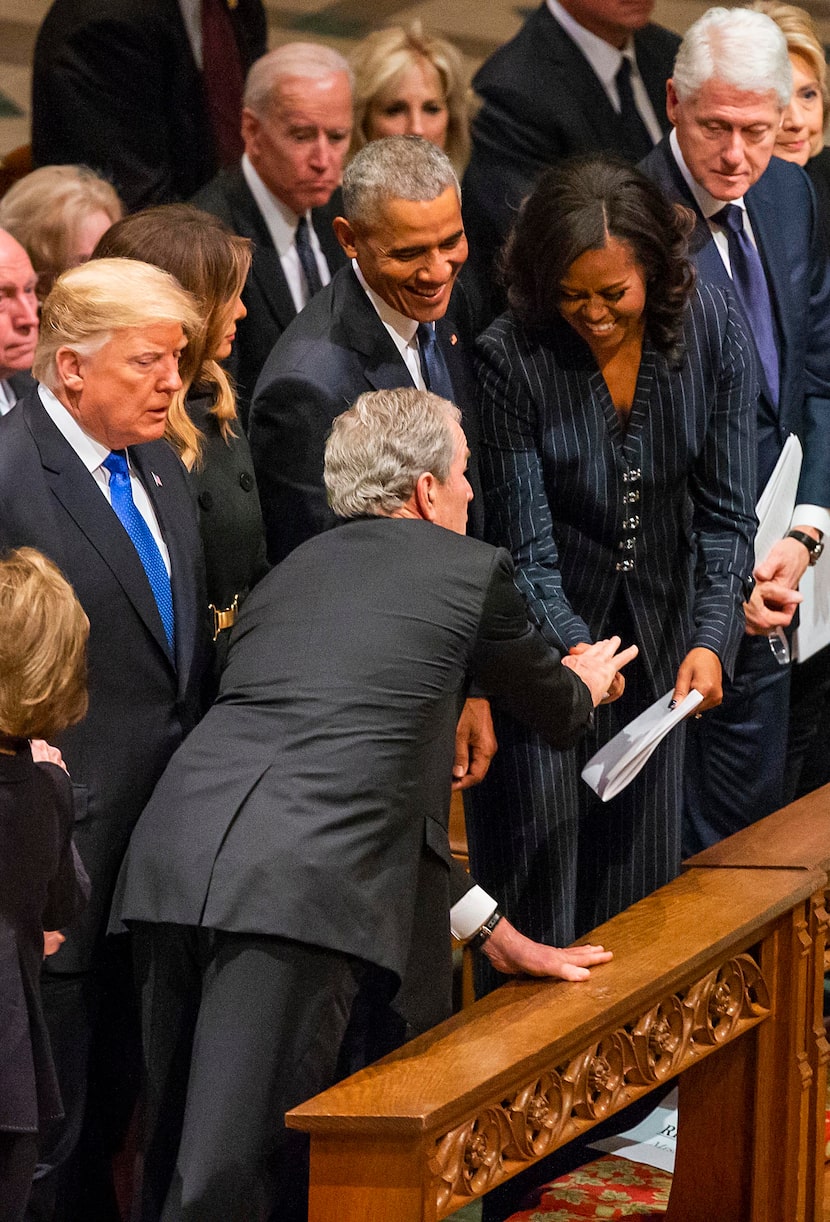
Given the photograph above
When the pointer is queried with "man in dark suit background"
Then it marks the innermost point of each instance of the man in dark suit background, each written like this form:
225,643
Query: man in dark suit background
76,454
581,76
145,92
298,841
731,82
18,321
296,124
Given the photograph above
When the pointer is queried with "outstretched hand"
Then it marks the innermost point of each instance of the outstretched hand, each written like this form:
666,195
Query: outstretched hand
511,953
598,666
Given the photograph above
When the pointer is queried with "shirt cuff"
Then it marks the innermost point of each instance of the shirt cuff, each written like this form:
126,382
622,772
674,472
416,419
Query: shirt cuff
812,515
470,913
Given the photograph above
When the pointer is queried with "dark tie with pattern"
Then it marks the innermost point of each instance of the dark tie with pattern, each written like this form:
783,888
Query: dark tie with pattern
752,291
638,141
121,495
433,365
302,240
223,78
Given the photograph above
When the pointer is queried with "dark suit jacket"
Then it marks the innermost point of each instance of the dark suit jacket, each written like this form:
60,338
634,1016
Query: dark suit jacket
142,701
41,887
798,275
115,87
336,349
312,802
542,102
267,296
573,496
21,383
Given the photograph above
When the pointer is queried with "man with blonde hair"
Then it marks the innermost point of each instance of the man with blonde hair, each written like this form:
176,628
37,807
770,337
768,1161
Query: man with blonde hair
284,194
86,478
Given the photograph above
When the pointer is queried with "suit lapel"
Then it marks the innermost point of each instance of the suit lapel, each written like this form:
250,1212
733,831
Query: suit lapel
76,490
322,219
652,69
383,367
765,216
266,269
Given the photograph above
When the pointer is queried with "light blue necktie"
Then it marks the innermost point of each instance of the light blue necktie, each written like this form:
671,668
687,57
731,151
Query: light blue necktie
121,495
433,365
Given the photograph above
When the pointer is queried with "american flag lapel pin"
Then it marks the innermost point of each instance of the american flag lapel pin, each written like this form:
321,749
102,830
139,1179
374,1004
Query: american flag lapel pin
156,478
453,339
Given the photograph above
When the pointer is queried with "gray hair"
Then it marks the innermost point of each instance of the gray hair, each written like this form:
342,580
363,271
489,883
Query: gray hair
378,449
737,46
397,167
311,60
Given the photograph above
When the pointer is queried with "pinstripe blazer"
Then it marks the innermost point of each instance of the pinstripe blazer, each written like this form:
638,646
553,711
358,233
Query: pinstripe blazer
662,512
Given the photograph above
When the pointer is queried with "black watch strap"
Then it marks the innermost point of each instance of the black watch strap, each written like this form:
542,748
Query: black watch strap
480,937
814,546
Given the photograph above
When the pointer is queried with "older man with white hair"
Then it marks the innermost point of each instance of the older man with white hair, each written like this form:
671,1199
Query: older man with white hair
296,126
18,321
756,232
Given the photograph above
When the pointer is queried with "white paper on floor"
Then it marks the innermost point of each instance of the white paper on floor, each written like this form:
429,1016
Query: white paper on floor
653,1141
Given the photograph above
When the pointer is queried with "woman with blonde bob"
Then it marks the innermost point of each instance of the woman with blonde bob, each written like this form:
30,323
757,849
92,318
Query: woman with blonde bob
42,691
202,425
58,213
409,83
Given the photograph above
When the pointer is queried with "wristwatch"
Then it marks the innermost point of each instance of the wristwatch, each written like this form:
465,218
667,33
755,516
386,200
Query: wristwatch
480,937
814,546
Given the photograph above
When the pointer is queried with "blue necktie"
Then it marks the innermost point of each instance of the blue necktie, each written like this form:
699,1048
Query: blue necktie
752,291
121,495
302,240
433,366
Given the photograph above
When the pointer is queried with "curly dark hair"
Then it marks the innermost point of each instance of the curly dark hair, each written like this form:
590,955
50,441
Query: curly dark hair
576,207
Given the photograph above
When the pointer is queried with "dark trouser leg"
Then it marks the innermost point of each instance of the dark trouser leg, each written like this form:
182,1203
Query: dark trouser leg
94,1032
735,753
270,1026
808,746
169,960
18,1156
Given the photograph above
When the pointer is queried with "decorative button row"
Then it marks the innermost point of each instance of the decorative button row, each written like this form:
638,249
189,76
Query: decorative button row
631,523
632,497
630,476
624,566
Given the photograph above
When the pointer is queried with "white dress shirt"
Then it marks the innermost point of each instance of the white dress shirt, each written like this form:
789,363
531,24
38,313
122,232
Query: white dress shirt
92,454
191,11
605,61
816,516
282,226
7,397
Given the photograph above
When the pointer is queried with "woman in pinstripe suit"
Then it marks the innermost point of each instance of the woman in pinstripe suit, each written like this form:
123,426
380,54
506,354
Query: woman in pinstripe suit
617,404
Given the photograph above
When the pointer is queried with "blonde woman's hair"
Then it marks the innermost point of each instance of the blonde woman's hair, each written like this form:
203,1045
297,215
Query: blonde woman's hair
383,56
90,302
45,210
212,264
42,648
801,34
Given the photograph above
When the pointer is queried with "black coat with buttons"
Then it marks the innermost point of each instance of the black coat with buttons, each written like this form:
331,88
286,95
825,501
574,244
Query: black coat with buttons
230,518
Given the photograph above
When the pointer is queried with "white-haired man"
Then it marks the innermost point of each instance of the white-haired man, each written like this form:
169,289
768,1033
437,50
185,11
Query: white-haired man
86,478
296,125
731,82
295,853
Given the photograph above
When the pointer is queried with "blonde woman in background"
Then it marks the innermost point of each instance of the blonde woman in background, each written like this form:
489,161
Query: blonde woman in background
58,213
409,83
801,136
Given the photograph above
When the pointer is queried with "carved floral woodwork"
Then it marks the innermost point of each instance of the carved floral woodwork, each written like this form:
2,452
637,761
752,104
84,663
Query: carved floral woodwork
564,1101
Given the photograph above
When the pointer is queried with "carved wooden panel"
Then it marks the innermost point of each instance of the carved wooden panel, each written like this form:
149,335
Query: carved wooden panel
566,1100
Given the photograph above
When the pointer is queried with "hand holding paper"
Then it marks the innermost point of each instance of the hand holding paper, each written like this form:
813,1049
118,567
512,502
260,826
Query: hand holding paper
700,669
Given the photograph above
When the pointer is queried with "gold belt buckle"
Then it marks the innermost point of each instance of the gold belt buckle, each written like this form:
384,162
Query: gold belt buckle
224,618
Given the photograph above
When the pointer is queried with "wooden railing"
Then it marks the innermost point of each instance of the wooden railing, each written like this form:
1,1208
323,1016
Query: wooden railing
716,977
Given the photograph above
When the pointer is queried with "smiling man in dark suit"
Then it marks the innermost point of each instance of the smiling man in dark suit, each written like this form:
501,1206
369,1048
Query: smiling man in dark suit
731,82
86,479
296,124
581,76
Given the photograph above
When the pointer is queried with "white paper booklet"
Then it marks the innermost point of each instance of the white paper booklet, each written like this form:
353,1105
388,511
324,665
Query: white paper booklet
777,502
652,1141
617,763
